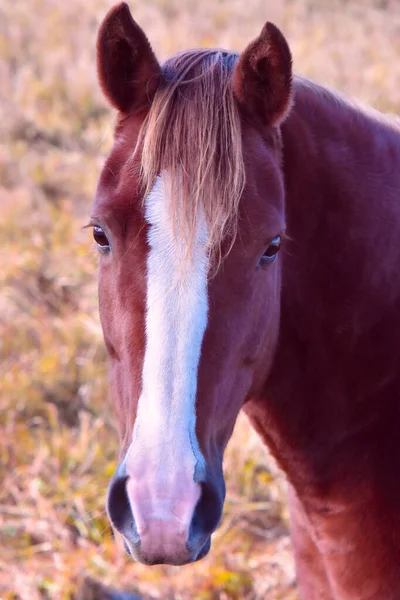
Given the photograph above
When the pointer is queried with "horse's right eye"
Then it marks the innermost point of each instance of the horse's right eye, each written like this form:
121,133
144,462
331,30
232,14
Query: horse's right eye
101,239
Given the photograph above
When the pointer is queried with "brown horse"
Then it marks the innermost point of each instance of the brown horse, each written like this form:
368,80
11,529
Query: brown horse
248,224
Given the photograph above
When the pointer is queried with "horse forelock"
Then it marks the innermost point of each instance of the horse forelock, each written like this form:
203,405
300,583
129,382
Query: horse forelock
193,132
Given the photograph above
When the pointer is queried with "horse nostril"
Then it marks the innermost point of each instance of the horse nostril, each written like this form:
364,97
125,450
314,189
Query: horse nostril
119,509
208,512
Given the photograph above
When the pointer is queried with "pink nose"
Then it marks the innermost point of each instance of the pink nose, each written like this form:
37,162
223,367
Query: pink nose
163,518
170,526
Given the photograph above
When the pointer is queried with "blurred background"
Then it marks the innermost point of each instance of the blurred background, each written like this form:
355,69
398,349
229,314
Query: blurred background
58,442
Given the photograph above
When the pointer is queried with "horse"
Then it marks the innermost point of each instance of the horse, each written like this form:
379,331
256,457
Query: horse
248,227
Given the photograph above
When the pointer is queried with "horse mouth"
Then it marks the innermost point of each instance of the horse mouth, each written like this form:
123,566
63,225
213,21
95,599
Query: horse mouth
138,557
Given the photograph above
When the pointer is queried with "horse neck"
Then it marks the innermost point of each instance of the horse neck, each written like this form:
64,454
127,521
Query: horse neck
341,172
341,282
343,214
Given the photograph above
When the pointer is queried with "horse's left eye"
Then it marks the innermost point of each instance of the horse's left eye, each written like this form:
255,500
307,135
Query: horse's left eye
101,239
273,249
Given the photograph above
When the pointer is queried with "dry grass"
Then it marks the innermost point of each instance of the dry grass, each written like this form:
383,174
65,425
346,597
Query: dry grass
58,442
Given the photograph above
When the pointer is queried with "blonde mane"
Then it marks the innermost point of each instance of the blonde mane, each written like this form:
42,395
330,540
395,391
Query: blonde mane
193,132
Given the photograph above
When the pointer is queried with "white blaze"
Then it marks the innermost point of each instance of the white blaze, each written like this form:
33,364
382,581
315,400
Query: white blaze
164,461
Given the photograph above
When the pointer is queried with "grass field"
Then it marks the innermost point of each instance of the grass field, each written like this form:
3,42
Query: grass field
58,443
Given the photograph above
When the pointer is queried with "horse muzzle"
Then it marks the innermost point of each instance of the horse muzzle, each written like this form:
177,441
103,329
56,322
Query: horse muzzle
162,524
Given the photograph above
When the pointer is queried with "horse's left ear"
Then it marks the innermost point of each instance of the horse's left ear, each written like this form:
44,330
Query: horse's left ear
128,70
262,78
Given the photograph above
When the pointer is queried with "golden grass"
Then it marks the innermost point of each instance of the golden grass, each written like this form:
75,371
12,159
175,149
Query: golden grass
58,442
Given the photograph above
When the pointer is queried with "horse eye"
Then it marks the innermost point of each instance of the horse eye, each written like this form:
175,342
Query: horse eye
272,249
100,238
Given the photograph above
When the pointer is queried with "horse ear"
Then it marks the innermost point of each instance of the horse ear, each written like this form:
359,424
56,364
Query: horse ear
262,78
128,70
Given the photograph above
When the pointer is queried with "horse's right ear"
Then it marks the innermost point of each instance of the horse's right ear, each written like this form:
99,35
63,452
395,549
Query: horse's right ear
128,70
262,78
